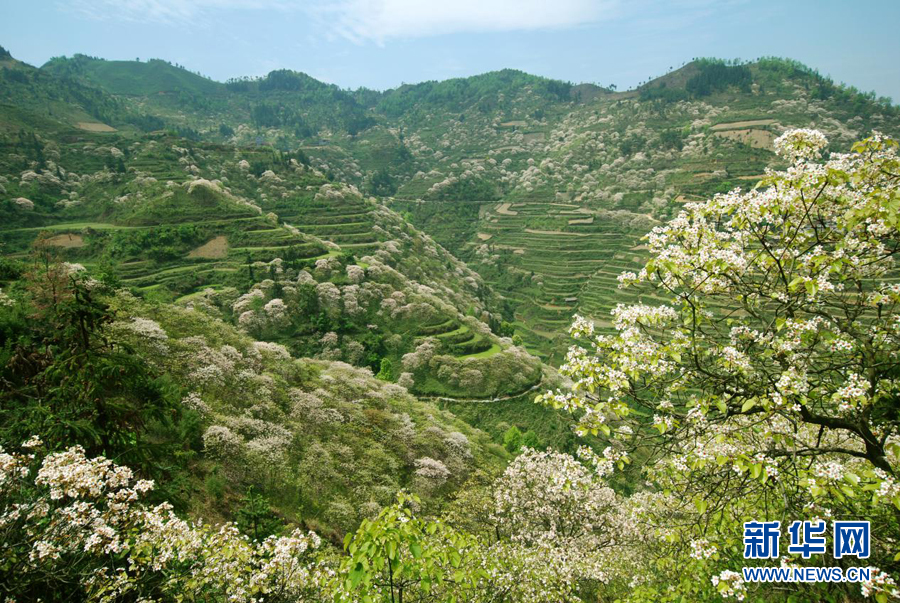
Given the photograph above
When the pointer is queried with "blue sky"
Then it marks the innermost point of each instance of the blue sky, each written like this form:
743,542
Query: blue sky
382,43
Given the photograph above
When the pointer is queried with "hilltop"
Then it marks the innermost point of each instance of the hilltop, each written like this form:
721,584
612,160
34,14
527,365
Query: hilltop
132,78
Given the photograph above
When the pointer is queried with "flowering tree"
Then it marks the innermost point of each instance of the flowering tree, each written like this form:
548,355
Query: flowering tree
769,383
551,505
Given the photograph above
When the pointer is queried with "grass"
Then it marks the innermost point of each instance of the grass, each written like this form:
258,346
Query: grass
495,348
77,226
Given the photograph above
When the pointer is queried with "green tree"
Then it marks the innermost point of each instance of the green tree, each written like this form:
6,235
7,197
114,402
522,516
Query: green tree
512,439
256,519
382,183
67,380
531,440
386,372
399,557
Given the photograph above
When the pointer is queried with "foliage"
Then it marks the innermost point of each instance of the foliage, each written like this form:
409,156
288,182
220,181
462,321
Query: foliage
713,76
398,557
512,440
256,519
65,380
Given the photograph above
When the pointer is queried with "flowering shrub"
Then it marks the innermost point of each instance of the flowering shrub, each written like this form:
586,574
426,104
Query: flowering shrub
72,522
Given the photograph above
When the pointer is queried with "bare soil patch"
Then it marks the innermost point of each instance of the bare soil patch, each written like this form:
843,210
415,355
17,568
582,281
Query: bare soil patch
484,236
742,124
213,249
503,210
67,241
758,139
94,127
582,220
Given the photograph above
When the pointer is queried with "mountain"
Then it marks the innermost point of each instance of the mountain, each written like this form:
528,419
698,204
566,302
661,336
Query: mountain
439,235
292,305
133,78
503,169
245,277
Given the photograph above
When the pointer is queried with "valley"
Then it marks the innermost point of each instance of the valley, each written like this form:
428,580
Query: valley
321,318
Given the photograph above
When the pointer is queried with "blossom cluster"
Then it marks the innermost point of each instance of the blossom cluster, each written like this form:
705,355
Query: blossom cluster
70,515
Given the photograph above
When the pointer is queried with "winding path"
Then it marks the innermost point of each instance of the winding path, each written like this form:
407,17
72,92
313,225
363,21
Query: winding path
484,400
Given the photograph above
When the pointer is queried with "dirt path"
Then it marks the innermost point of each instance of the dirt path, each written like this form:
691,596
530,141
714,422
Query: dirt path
482,401
557,232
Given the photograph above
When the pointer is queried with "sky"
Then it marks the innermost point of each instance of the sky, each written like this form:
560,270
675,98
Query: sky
382,43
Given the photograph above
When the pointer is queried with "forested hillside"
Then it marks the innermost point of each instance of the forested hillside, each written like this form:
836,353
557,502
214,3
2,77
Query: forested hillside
271,339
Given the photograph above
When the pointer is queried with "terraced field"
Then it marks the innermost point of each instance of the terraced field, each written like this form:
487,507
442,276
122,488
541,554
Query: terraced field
552,274
230,247
347,223
458,339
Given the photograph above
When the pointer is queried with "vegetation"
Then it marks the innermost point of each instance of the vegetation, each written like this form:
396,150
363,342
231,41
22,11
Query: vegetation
774,361
273,340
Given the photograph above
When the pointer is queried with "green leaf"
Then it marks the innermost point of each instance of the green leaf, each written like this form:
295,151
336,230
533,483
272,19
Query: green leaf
700,504
356,574
811,288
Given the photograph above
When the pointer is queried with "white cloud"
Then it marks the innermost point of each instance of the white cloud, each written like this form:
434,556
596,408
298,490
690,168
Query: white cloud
169,11
380,20
372,20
